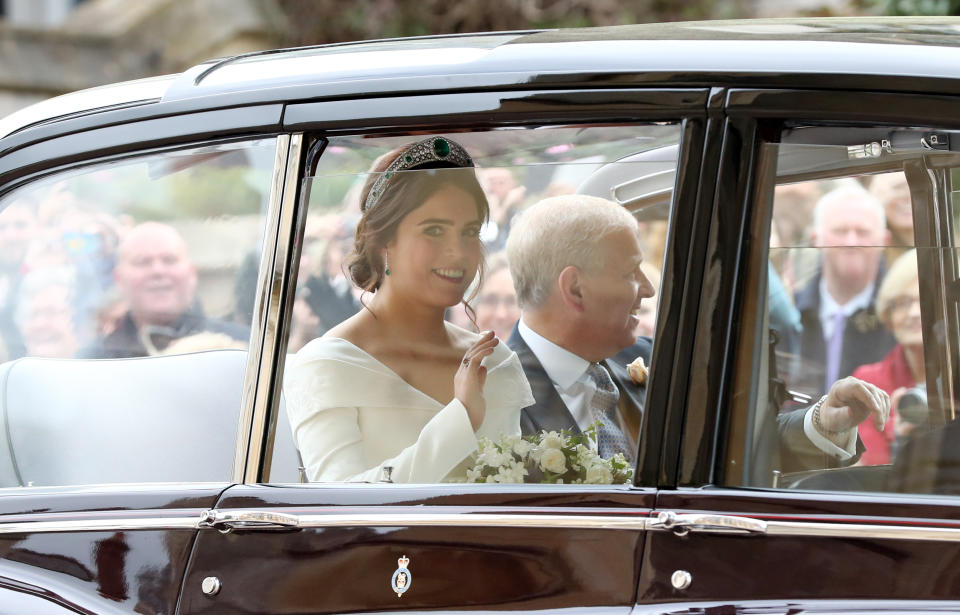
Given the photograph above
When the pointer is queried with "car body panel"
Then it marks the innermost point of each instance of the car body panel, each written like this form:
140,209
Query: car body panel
517,562
126,566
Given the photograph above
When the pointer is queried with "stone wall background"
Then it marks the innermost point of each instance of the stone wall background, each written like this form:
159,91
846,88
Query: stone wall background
105,41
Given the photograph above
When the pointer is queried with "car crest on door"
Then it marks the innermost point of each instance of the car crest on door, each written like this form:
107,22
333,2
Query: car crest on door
401,576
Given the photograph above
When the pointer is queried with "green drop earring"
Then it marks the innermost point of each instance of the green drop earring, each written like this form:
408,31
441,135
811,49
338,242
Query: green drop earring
386,265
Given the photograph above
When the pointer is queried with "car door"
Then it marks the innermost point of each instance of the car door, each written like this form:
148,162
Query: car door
119,430
336,546
752,521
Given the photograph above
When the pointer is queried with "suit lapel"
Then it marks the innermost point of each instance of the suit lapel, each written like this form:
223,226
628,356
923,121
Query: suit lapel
549,413
625,383
632,396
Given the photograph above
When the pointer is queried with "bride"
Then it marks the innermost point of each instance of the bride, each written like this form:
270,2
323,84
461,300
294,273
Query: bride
395,393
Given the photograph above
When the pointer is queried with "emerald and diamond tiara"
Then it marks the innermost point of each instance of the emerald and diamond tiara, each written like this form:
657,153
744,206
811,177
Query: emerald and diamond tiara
432,149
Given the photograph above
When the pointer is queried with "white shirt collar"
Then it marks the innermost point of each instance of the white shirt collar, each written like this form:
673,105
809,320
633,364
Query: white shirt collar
562,366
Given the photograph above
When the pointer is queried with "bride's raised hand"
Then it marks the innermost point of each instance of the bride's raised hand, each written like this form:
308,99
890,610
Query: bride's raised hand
468,382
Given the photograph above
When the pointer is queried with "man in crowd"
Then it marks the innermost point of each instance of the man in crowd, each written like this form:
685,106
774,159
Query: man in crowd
156,278
575,262
840,328
18,227
45,313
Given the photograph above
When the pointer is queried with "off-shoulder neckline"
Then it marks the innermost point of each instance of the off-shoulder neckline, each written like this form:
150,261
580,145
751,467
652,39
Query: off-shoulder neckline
387,368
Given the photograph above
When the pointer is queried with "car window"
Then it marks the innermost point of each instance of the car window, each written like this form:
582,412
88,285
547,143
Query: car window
852,292
126,300
413,244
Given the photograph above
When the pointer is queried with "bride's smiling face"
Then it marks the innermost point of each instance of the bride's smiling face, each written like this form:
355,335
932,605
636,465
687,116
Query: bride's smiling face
436,251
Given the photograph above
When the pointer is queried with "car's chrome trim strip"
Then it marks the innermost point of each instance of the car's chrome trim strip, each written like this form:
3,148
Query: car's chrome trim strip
101,525
621,522
599,522
855,530
893,531
632,522
274,287
260,311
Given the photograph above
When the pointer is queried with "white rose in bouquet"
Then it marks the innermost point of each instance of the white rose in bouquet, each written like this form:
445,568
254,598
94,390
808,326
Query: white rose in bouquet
552,439
599,474
553,460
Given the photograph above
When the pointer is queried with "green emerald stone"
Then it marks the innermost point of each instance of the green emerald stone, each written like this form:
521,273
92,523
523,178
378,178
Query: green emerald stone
388,175
441,148
408,158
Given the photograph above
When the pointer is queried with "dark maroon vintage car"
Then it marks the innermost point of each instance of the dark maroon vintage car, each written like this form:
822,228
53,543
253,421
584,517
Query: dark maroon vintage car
169,246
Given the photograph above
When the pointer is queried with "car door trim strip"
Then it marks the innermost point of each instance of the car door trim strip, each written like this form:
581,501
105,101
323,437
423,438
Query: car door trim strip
632,522
100,525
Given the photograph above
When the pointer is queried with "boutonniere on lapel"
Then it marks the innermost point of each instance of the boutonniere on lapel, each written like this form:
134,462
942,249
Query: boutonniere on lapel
865,321
638,371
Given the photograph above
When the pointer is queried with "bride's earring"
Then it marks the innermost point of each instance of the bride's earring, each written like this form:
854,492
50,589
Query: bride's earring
386,265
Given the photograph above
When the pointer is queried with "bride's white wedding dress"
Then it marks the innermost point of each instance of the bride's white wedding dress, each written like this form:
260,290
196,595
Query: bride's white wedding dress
352,415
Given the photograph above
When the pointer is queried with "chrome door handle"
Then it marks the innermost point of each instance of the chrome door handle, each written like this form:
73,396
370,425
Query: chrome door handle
227,520
694,522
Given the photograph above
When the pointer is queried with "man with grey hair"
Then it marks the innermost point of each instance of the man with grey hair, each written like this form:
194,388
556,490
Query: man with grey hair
575,262
840,328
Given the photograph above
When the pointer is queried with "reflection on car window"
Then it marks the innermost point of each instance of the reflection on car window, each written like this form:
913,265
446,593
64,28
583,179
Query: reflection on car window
853,313
467,305
142,259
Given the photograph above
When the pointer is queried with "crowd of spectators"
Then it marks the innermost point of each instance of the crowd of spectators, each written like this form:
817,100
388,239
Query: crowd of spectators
844,294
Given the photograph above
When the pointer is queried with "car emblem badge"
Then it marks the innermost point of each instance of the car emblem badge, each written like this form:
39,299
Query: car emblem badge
401,577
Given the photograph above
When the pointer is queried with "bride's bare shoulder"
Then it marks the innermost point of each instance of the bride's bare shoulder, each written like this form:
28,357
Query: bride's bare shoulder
356,330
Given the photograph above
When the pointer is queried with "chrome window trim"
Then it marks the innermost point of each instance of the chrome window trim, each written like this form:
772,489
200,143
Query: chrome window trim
260,309
267,308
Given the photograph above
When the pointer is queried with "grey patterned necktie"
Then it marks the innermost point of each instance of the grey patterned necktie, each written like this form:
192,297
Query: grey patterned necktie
603,408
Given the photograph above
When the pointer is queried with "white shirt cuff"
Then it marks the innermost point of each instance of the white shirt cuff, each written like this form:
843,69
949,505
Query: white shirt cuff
824,443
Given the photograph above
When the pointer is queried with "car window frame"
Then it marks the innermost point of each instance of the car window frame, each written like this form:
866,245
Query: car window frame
92,152
400,116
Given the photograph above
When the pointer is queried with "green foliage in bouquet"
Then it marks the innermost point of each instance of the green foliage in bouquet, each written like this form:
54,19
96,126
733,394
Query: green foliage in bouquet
548,457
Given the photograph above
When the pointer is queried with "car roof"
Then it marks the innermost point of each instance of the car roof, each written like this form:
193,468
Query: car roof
771,52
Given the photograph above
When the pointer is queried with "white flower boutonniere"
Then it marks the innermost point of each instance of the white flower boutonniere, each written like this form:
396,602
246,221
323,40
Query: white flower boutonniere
638,371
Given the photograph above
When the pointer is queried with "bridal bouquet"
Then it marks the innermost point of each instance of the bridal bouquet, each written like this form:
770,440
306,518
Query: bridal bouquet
548,457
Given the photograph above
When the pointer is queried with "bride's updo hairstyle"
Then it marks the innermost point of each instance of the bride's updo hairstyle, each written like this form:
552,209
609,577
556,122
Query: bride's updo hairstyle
399,182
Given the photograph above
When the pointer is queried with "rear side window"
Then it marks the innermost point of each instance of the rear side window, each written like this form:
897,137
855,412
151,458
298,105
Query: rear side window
855,282
126,299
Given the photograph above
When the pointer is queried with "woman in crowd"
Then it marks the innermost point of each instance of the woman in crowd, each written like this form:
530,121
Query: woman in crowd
898,306
497,308
395,393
